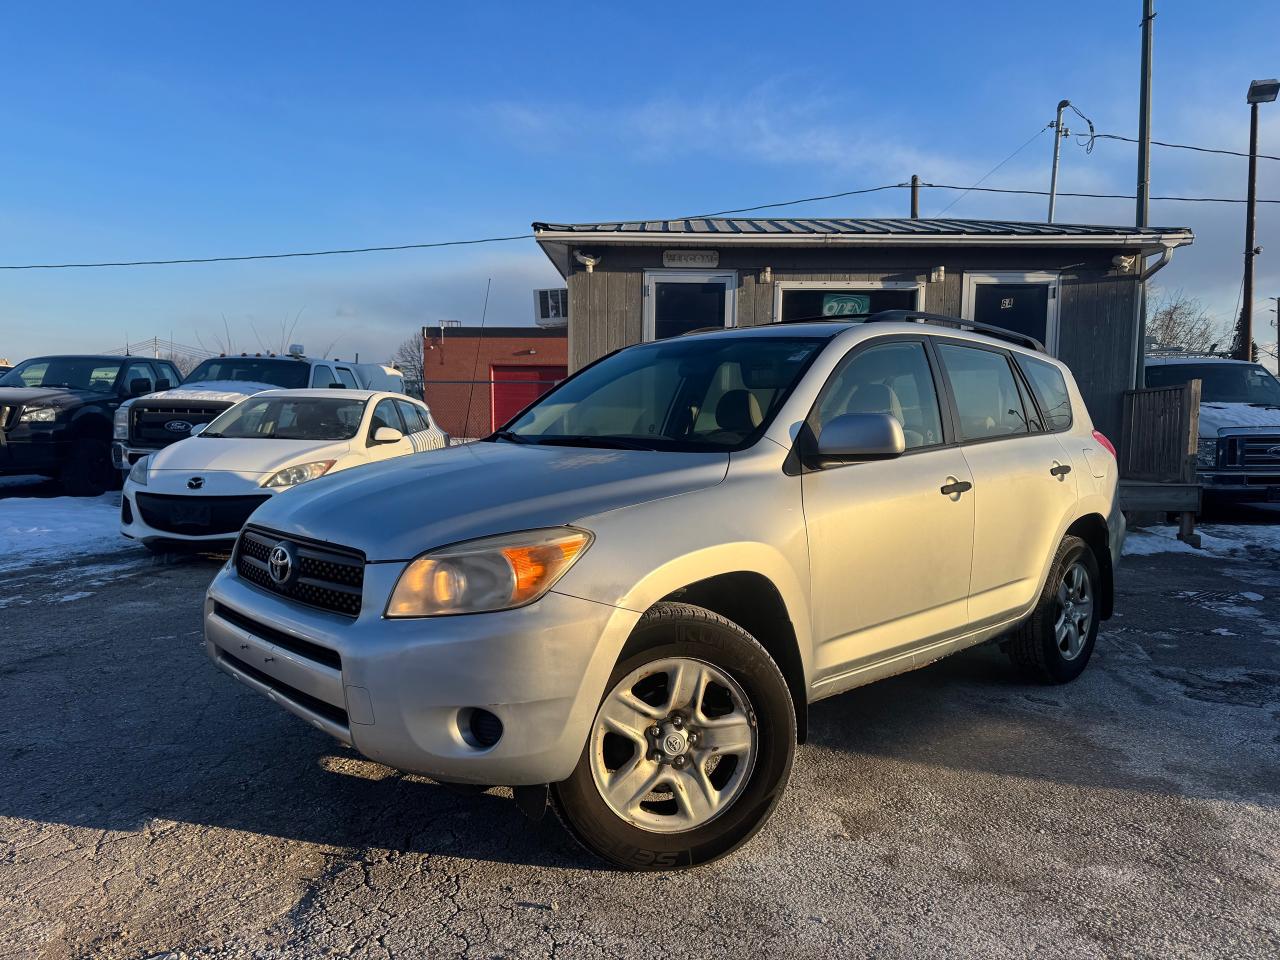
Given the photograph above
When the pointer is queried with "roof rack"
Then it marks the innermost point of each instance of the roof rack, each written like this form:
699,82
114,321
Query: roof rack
939,319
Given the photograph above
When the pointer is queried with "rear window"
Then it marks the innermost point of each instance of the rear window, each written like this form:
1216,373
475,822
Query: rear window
1050,389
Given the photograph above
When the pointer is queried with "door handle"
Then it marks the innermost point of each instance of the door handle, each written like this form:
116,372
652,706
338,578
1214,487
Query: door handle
956,487
1060,470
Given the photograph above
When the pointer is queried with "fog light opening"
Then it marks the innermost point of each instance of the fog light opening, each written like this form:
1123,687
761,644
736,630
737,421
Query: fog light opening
479,728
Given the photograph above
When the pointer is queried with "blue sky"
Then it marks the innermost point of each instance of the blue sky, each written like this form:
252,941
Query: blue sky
138,131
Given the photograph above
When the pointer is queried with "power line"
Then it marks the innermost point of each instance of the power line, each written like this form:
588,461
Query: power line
789,203
1099,196
1034,137
263,256
1086,141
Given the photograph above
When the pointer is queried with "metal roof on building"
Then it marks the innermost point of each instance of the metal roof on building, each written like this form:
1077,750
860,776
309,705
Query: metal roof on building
842,226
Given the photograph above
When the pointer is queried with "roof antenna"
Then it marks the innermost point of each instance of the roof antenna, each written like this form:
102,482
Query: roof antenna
475,368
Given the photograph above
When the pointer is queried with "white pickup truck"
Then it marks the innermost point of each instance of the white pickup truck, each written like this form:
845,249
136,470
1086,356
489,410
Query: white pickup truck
1238,457
150,423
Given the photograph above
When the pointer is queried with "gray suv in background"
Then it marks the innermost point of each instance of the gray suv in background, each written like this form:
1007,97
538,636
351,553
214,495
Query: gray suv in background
623,602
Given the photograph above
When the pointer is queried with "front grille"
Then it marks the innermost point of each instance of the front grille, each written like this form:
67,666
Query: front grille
147,421
314,704
197,516
1258,452
328,577
303,648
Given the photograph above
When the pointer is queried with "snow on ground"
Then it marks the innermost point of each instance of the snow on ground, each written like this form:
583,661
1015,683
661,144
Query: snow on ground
35,530
1217,539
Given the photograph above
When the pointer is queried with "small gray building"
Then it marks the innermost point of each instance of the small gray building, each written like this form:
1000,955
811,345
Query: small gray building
1075,287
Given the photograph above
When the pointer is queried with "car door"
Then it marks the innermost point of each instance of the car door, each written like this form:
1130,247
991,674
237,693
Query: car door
889,541
385,414
1023,488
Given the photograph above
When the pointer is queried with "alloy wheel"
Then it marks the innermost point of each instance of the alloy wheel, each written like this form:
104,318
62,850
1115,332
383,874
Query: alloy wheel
1075,611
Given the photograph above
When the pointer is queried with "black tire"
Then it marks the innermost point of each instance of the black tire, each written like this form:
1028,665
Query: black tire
1035,647
89,471
687,631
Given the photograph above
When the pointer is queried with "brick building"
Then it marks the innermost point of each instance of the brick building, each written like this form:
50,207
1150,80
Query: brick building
477,378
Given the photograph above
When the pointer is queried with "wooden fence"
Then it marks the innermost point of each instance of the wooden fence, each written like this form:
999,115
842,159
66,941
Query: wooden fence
1161,429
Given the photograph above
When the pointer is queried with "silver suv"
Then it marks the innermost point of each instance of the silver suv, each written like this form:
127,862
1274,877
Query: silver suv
623,602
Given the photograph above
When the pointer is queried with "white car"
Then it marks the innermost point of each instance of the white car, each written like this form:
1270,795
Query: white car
205,487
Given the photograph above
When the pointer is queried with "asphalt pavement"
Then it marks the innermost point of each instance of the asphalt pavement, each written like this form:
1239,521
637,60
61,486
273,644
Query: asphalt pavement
151,807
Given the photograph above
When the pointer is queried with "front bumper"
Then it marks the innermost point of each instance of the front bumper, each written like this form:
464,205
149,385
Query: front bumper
44,456
396,690
1252,485
171,485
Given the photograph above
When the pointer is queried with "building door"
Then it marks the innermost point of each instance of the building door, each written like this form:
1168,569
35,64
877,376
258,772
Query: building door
1018,301
677,301
514,387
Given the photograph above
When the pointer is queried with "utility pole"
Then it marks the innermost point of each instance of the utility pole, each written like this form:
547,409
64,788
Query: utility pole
1058,133
1260,91
1141,210
915,197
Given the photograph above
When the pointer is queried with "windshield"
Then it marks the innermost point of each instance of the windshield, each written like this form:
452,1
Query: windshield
705,393
289,374
80,373
289,418
1221,382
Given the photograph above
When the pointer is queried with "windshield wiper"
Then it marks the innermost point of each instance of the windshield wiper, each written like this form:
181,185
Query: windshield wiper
611,442
510,436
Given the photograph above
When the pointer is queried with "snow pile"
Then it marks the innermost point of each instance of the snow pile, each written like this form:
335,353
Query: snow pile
34,530
1216,539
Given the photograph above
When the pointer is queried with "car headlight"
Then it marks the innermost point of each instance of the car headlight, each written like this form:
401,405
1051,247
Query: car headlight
493,573
1207,453
298,473
139,472
120,424
38,415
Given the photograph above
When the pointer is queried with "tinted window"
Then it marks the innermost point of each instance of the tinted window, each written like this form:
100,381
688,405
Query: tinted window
986,392
1050,389
290,374
139,371
384,415
803,302
348,378
322,377
699,393
892,378
412,416
79,373
169,372
283,418
1220,382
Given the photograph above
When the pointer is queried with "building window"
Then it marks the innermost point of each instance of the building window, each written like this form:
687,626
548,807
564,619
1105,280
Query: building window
798,299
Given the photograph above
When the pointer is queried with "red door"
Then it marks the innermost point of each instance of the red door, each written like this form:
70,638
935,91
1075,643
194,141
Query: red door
515,387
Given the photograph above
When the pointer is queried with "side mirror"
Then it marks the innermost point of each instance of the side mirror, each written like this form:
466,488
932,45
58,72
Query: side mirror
387,435
139,386
859,437
197,430
163,384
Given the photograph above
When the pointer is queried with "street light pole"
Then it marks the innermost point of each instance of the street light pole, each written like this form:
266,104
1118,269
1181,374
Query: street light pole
1260,91
1058,134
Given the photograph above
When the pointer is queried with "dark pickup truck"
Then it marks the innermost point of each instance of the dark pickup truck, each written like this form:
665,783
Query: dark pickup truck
56,413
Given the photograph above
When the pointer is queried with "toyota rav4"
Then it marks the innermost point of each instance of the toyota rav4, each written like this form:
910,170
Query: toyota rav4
623,602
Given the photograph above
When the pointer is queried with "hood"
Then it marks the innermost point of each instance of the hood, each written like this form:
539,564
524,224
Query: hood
232,391
49,396
244,456
398,509
1227,418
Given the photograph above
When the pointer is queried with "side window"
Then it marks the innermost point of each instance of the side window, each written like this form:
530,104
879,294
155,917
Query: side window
892,378
322,377
348,378
1050,389
986,392
384,415
169,372
412,419
139,371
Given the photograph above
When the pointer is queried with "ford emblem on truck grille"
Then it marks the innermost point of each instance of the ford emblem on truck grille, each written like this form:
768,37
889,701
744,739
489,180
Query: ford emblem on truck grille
280,563
178,426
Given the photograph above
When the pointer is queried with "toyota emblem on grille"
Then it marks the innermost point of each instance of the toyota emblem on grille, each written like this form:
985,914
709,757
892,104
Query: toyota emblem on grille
178,426
195,483
1274,451
280,563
